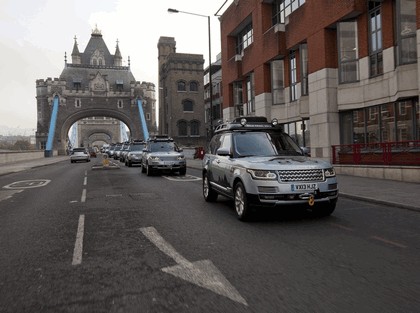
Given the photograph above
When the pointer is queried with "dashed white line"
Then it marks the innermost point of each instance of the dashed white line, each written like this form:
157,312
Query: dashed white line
85,181
78,246
83,196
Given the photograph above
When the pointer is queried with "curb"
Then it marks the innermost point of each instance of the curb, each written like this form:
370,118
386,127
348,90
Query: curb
378,201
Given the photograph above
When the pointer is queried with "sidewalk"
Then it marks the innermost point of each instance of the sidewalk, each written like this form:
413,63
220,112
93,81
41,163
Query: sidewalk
381,191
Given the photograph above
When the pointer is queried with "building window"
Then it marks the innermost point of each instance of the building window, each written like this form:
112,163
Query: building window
148,116
195,128
375,38
181,86
120,104
348,51
244,38
293,77
77,103
188,106
303,53
193,86
406,31
77,85
277,81
238,99
119,85
381,123
283,8
182,128
250,94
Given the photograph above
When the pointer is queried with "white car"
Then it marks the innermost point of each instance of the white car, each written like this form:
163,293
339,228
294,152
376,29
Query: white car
79,154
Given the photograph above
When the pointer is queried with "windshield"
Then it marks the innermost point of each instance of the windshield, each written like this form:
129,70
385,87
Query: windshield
253,144
162,146
137,147
264,144
284,144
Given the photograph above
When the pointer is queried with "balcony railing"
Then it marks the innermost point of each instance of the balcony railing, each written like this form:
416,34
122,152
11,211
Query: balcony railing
381,153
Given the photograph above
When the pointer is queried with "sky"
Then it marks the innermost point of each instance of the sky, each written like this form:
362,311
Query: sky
34,36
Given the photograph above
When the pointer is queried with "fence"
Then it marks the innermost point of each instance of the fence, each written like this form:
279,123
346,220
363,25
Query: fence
381,153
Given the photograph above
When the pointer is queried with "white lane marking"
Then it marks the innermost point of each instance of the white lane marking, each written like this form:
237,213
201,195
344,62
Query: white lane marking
7,194
399,245
85,181
24,184
182,178
83,199
85,173
202,273
116,195
78,246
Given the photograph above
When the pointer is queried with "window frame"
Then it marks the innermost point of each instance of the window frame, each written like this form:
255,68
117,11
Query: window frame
347,59
404,34
245,38
375,35
180,83
187,102
293,76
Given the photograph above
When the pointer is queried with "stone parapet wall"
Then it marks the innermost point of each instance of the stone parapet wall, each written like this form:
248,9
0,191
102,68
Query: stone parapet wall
16,156
409,174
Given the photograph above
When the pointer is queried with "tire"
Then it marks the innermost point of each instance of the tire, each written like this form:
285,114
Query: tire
149,170
143,169
182,171
71,161
208,192
242,208
129,164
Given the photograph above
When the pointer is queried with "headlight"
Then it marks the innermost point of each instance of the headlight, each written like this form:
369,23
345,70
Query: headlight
181,157
329,172
154,158
261,174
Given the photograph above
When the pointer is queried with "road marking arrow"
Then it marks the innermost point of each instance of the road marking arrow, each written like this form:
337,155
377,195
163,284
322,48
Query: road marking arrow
201,273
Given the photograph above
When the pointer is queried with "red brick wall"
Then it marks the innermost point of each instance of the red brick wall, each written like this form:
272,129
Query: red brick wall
314,23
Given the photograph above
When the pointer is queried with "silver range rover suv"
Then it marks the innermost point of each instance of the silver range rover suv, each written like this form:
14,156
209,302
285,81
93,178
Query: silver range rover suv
256,163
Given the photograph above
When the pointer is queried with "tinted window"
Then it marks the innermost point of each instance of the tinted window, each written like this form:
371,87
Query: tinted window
162,146
253,143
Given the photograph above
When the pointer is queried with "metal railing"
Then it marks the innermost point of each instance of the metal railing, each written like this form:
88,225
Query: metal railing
381,153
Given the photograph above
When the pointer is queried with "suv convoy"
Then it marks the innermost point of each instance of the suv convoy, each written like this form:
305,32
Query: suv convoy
162,154
256,163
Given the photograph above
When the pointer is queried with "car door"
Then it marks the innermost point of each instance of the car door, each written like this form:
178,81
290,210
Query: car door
224,162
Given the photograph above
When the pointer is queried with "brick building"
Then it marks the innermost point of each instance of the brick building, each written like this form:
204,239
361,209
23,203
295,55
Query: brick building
333,72
181,94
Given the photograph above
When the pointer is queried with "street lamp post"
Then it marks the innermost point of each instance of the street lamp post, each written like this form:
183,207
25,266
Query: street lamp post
210,80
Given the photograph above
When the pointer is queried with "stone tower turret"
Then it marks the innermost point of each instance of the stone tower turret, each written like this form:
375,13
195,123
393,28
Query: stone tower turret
117,56
75,55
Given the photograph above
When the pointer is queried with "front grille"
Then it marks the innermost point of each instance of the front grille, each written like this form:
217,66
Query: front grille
301,175
168,158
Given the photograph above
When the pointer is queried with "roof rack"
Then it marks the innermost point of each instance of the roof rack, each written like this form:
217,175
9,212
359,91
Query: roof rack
248,123
160,138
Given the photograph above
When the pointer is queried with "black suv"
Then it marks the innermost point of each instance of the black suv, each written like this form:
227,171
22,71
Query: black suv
256,163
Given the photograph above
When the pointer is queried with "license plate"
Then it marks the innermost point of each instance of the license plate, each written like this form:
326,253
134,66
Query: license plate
304,187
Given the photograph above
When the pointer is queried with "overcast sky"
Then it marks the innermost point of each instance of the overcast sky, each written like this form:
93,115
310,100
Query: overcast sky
34,35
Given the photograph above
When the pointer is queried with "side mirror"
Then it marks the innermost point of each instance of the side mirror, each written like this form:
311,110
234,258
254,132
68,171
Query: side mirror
180,150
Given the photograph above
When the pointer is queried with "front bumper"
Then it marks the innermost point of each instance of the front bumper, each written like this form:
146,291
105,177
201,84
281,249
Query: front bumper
272,193
168,165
